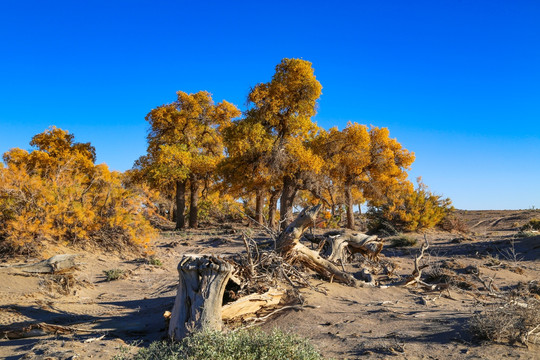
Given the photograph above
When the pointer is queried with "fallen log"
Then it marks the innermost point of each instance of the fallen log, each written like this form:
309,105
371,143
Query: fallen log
39,329
53,265
338,246
289,246
202,281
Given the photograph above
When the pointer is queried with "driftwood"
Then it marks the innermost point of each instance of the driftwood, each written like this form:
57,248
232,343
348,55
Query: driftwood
39,329
289,246
251,304
338,246
53,265
202,281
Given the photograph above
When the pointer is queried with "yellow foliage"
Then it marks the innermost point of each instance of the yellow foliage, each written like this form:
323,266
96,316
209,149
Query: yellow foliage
412,210
56,194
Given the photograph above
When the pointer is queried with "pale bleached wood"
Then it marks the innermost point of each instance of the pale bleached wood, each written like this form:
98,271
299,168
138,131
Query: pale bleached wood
202,281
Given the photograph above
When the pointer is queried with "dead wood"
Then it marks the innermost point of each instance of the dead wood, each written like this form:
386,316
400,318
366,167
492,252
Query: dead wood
338,246
415,278
39,329
249,305
289,246
202,281
54,265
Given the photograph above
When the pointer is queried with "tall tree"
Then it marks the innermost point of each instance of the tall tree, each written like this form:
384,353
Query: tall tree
364,164
284,107
246,169
185,146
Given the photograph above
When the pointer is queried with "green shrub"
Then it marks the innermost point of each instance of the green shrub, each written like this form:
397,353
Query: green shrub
113,274
240,345
152,260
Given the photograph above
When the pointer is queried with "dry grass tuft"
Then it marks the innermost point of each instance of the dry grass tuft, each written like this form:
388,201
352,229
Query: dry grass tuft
514,321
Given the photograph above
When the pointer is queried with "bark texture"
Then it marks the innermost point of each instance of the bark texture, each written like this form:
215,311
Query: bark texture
286,202
259,207
180,204
349,205
202,281
194,203
272,208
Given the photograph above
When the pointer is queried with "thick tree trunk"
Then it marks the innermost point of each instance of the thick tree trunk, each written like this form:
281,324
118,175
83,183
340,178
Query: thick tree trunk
272,208
259,206
202,281
194,202
180,204
349,205
292,250
286,203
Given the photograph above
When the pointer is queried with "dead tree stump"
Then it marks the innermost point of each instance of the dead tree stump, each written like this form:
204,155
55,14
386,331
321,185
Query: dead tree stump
202,281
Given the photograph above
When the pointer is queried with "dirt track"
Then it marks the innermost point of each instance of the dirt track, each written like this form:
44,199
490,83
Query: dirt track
346,323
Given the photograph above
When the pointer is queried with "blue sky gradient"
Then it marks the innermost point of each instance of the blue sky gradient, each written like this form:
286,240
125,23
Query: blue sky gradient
457,82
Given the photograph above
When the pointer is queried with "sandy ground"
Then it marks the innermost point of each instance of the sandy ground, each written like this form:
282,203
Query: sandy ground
106,318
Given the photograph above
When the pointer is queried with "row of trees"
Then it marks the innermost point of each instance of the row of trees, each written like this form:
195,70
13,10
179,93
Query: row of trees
273,151
218,156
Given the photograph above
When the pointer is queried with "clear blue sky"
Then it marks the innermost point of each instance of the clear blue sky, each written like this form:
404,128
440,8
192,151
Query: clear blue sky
457,82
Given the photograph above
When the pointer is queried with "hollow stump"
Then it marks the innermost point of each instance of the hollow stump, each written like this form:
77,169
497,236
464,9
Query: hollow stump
202,281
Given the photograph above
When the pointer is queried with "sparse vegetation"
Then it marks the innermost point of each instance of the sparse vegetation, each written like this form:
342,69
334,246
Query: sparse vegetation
152,260
240,345
514,321
401,240
114,274
532,225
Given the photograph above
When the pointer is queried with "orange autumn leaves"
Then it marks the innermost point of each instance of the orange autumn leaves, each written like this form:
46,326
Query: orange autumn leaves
56,194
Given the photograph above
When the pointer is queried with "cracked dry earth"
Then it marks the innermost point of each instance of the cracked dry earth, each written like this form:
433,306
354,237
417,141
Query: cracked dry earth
389,321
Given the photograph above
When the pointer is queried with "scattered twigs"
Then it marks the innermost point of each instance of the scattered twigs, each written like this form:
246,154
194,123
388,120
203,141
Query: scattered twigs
40,329
416,276
417,272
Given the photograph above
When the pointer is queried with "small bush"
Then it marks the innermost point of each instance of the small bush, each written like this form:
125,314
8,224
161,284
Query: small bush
241,345
402,241
525,234
114,274
512,322
152,260
532,225
452,222
410,210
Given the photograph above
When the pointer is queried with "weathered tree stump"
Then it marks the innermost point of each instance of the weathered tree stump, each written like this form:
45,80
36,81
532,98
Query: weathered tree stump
292,250
202,281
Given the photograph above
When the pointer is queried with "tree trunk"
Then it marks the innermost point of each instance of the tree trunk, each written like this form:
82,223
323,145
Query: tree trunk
180,204
202,281
171,211
349,205
259,206
289,246
286,203
272,208
194,202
